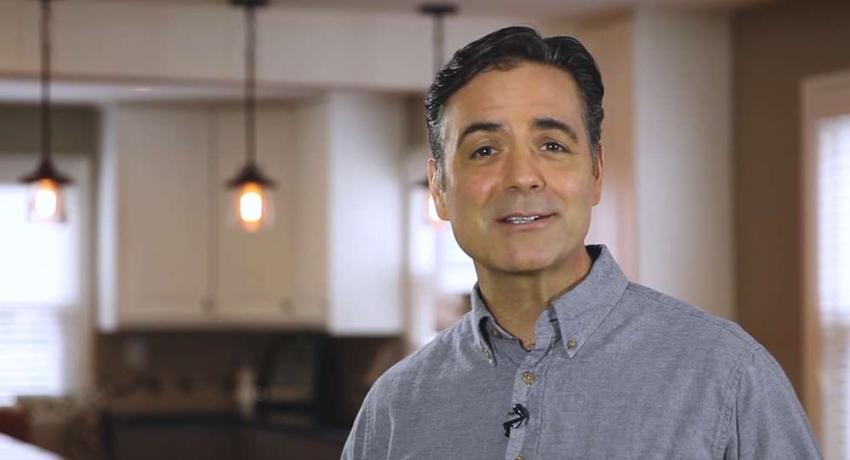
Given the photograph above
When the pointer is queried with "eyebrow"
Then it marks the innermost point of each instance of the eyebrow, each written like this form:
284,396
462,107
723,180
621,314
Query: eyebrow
552,123
481,126
538,123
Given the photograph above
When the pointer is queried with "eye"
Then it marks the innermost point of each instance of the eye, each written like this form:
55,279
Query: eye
481,152
554,147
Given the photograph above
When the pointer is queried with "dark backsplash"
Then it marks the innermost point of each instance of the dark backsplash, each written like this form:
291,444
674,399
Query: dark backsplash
174,371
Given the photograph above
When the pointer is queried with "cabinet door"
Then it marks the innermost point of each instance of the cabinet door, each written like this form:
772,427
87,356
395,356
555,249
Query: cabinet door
278,444
162,231
176,442
253,271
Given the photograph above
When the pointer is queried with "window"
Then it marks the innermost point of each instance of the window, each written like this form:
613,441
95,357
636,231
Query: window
442,275
43,320
826,271
833,223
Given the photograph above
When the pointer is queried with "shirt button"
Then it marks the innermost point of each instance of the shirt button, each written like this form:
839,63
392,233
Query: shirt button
528,378
571,344
487,354
519,457
496,334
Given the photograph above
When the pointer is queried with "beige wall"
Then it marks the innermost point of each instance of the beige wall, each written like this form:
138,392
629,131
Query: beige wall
74,129
667,75
614,222
775,48
683,156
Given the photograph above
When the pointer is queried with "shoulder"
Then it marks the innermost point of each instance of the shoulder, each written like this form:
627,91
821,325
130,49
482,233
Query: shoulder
688,326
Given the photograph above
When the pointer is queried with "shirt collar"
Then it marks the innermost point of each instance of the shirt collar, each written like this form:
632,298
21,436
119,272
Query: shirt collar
578,312
480,313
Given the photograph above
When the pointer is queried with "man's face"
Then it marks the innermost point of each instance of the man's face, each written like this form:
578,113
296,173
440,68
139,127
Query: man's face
519,181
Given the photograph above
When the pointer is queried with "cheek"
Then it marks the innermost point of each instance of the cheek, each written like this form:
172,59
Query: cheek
576,188
468,194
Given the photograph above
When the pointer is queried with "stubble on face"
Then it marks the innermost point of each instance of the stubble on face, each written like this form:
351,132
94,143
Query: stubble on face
516,149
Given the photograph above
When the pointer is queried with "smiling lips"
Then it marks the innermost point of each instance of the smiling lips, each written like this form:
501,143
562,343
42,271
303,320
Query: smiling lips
525,220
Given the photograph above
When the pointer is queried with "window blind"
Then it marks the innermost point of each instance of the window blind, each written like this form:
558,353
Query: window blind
39,282
834,281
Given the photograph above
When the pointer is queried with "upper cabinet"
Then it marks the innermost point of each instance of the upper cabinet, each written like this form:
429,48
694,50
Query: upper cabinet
252,281
171,257
153,216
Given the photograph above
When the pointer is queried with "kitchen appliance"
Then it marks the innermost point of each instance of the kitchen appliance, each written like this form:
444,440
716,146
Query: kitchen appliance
288,379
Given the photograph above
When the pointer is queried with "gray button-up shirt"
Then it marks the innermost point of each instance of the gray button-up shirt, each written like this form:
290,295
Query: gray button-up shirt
618,371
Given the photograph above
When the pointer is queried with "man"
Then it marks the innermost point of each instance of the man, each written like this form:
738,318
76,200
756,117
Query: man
561,357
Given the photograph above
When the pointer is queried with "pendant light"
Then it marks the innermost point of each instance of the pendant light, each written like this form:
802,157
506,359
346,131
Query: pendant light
46,200
251,201
437,11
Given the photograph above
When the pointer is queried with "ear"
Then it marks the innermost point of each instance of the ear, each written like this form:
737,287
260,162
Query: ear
436,189
598,175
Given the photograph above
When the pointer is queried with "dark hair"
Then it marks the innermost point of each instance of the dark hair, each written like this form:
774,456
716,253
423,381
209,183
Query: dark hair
505,49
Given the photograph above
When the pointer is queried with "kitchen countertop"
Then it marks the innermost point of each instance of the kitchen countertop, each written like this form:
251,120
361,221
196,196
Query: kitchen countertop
292,426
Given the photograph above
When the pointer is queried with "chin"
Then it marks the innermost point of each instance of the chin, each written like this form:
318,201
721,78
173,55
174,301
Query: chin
525,264
534,259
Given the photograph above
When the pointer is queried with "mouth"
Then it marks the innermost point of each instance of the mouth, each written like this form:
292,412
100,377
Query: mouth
521,220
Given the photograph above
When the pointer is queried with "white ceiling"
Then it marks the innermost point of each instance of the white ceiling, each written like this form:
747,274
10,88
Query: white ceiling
75,92
548,8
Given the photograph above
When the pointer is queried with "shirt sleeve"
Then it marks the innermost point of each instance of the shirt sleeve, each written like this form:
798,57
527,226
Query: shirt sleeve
369,436
766,419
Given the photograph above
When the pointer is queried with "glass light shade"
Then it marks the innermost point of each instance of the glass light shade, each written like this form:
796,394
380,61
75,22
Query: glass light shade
46,202
252,206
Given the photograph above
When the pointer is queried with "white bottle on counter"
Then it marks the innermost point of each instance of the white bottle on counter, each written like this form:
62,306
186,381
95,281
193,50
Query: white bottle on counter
245,392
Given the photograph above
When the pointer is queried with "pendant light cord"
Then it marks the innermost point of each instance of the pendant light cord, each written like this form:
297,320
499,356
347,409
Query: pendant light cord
250,83
439,32
45,81
438,12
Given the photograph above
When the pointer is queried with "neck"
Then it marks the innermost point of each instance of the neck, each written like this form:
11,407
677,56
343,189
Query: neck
516,300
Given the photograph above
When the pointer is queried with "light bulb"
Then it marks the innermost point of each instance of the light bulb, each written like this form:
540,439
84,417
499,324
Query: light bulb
45,205
251,204
252,207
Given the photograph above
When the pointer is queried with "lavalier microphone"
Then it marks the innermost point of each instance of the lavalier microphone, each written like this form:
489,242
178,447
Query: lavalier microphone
521,417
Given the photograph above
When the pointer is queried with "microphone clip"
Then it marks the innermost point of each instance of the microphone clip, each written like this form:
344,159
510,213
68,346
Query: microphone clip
521,417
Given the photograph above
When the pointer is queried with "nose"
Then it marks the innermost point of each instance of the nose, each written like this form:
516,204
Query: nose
523,171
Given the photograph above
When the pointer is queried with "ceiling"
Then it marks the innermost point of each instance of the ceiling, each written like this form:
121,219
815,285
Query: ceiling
72,92
549,8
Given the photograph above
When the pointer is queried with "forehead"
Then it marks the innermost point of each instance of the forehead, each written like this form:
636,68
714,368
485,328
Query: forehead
516,95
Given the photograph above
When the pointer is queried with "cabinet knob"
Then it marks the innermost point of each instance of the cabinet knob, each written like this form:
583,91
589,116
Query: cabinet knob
207,305
286,305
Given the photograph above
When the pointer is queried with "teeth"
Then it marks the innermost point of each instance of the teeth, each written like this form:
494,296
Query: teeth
521,220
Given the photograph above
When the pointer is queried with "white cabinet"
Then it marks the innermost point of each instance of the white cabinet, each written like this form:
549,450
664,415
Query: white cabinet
253,273
153,229
350,210
168,257
331,261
